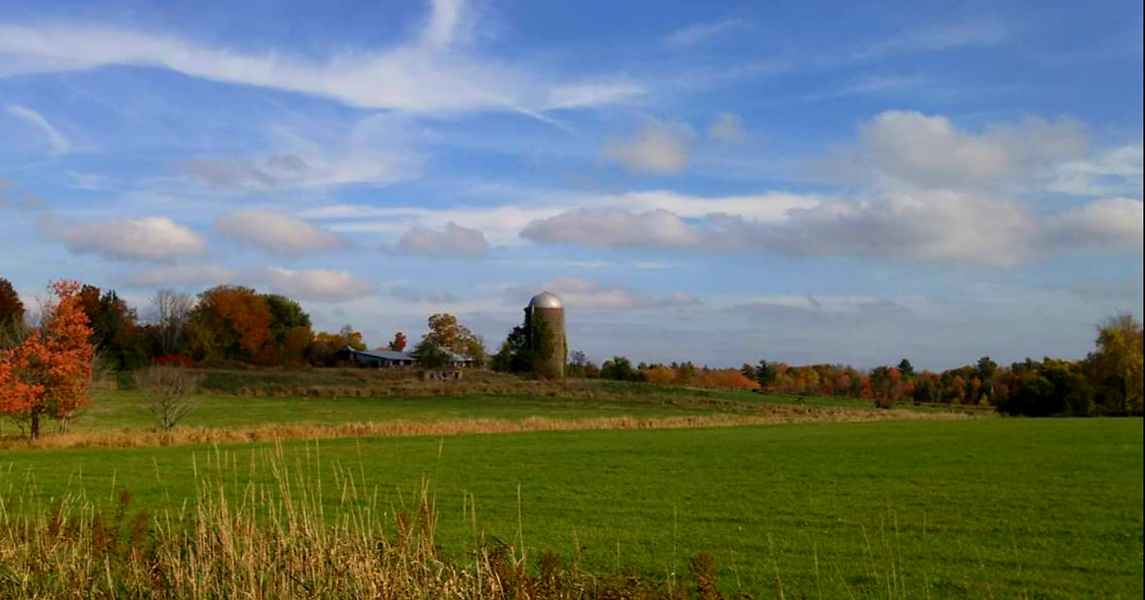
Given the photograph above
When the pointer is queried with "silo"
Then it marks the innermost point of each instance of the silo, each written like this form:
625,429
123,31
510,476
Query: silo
546,318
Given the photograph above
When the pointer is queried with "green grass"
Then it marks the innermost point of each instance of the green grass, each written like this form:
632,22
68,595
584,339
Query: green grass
127,409
994,507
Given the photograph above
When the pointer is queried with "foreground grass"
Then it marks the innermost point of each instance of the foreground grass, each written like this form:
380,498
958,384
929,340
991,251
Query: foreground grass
995,507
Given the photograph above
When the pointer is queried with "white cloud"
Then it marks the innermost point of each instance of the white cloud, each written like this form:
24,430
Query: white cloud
500,224
934,225
702,32
764,207
727,128
179,276
614,228
276,232
931,225
59,143
657,148
1113,223
452,241
503,224
317,284
146,238
910,148
427,73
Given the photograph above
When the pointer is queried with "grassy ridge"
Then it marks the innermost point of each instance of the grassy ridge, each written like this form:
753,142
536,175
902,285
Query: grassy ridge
995,507
512,399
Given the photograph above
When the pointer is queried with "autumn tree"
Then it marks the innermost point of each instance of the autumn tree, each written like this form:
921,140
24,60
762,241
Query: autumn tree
446,332
1116,365
324,348
230,322
49,372
399,342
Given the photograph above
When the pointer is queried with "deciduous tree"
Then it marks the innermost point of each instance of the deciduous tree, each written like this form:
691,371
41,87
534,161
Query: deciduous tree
230,322
168,392
399,342
48,374
1116,365
11,308
172,312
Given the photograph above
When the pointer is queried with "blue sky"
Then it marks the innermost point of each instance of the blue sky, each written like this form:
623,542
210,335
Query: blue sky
809,182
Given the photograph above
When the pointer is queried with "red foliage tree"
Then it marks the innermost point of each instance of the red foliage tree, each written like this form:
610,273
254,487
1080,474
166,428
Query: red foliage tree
49,372
399,342
230,322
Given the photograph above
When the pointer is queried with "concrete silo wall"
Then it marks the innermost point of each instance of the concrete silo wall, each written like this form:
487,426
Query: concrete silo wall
550,353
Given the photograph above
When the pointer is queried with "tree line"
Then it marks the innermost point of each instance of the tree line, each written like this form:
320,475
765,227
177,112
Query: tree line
46,363
1106,382
224,326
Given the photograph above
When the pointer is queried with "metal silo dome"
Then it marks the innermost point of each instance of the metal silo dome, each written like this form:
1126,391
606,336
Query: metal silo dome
545,300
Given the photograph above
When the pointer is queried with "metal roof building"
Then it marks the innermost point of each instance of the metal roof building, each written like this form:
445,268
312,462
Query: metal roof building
393,358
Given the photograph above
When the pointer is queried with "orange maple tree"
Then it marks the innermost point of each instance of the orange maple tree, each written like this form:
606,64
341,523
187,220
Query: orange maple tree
49,372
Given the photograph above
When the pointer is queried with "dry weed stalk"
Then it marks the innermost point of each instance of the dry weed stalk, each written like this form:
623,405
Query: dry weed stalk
262,541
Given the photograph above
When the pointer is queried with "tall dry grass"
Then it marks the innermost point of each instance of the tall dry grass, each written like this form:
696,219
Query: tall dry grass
766,415
278,540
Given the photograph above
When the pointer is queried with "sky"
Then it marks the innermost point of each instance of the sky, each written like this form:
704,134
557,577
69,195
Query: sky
714,182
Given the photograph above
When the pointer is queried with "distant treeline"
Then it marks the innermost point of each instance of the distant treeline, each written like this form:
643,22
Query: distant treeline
1107,382
233,325
222,326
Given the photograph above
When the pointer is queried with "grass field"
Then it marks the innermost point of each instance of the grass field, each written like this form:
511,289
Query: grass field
987,507
480,399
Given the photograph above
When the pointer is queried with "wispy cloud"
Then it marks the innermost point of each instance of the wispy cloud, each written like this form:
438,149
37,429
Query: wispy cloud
703,32
428,73
58,142
971,33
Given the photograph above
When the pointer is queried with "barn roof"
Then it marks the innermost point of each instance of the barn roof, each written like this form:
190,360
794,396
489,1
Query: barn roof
394,355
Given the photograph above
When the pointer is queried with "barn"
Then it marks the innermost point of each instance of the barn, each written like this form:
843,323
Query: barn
385,359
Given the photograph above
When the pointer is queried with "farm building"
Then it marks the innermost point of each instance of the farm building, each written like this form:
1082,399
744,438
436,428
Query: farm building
383,359
545,320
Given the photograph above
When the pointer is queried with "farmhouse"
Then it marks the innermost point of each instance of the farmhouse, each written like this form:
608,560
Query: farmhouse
384,359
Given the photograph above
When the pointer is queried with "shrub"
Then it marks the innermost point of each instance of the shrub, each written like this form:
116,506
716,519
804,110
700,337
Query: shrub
168,393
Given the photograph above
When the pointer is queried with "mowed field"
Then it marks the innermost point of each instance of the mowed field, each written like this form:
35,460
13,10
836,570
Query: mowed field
969,508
